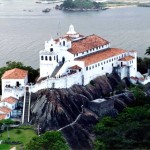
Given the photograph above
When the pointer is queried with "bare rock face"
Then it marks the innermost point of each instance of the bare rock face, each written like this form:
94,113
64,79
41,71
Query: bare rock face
62,109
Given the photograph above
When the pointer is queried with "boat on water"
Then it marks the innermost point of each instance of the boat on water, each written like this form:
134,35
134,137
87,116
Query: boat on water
46,10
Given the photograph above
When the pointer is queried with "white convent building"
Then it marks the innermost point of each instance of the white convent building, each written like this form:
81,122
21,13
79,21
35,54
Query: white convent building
77,59
68,60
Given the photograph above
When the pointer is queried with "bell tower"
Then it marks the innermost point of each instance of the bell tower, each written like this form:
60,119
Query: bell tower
48,58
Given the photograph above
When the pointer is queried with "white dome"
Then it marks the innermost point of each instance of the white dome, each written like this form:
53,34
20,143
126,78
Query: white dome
71,30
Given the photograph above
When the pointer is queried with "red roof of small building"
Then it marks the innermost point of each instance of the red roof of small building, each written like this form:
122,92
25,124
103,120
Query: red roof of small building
101,55
133,51
5,110
10,100
87,43
2,116
134,78
127,58
15,74
76,67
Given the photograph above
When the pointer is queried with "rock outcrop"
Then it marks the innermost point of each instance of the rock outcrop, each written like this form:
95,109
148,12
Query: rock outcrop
67,109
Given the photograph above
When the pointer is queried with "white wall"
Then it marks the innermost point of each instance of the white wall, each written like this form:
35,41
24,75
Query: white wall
13,90
67,55
10,106
47,69
63,82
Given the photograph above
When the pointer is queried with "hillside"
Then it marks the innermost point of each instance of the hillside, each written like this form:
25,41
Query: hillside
72,112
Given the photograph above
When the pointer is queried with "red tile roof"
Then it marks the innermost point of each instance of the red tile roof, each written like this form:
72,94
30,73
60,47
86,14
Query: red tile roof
76,67
141,79
10,100
133,51
87,43
5,110
66,37
127,58
134,78
2,116
15,74
101,55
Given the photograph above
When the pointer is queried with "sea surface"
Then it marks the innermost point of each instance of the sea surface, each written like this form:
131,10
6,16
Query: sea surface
24,28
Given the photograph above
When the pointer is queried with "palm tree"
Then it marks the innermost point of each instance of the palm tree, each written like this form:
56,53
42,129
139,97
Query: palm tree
147,51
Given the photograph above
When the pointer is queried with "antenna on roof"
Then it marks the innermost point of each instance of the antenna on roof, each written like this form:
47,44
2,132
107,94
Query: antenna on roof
59,29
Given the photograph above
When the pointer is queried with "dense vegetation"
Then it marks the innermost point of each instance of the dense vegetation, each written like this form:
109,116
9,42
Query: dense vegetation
81,4
32,73
143,64
18,136
130,129
52,140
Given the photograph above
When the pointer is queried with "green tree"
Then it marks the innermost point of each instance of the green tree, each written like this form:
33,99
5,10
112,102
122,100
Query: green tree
68,4
52,140
7,121
143,64
126,131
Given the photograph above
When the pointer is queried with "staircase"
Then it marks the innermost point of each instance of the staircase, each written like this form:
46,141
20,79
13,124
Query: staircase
26,108
56,70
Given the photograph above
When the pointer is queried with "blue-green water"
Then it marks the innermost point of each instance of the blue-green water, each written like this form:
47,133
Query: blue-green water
24,28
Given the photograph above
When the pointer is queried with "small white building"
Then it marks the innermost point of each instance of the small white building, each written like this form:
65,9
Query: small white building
5,112
77,59
9,102
13,83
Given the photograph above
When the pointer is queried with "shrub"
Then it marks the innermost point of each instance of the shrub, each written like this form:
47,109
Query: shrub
18,131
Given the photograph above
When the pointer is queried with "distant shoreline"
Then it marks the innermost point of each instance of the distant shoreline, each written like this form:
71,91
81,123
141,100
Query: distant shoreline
125,6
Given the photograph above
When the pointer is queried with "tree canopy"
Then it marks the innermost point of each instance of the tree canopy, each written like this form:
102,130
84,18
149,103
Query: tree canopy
127,131
81,4
130,129
52,140
6,121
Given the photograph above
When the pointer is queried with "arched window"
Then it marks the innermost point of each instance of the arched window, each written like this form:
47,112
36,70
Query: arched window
42,57
51,49
50,58
54,57
63,60
45,57
63,43
57,58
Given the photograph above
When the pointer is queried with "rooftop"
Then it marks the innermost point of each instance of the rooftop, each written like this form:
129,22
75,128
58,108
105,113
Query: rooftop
5,110
101,55
87,43
2,116
15,74
76,67
10,100
98,100
127,58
